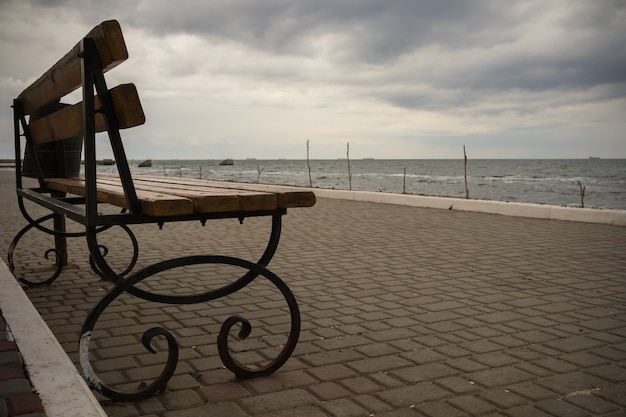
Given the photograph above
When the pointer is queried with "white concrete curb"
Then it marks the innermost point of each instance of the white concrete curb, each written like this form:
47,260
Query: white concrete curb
61,388
540,211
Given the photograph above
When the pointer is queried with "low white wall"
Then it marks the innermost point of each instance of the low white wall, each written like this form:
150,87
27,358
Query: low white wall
541,211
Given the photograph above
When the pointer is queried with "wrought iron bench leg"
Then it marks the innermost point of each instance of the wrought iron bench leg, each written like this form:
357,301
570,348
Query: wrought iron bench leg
128,285
58,262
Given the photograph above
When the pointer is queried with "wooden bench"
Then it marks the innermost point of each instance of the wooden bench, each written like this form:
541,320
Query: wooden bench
53,133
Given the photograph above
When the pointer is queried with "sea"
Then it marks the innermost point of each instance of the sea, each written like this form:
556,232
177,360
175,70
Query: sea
544,181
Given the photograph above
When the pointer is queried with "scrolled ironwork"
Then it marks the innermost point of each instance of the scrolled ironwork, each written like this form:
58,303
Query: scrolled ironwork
58,263
104,251
128,285
243,372
143,391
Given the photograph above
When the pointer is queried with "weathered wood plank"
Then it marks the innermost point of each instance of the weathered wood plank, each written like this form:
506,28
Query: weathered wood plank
65,76
206,199
286,197
202,202
152,203
245,200
68,122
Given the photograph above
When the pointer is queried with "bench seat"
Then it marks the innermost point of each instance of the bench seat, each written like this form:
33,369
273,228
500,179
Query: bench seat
57,135
169,196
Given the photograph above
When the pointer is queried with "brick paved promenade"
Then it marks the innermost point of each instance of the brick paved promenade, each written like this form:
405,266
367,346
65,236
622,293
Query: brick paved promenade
405,312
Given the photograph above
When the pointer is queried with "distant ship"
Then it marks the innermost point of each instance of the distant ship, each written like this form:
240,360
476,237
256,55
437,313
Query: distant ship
594,157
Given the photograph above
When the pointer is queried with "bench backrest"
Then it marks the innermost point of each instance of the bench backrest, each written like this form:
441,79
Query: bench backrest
101,109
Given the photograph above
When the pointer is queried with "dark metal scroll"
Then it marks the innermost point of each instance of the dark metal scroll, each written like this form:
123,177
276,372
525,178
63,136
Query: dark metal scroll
58,267
58,262
128,285
104,252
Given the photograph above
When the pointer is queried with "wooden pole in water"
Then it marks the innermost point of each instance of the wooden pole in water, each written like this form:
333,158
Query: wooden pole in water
465,175
404,182
349,172
582,194
308,164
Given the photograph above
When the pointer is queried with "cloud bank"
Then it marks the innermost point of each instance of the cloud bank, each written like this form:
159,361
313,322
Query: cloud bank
396,79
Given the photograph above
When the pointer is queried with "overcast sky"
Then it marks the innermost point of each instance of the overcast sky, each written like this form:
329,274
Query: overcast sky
395,78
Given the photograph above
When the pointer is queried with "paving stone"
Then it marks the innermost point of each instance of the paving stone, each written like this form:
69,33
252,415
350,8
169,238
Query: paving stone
427,372
378,364
526,411
13,371
329,358
495,359
180,399
386,380
572,382
559,408
327,391
592,404
304,411
574,344
439,409
332,372
503,398
556,365
466,365
584,359
372,404
471,404
273,402
501,317
7,346
9,358
458,384
413,394
344,408
224,392
280,381
11,387
376,349
123,410
453,351
213,410
614,394
421,356
613,373
402,412
533,391
503,376
536,370
387,335
151,405
21,404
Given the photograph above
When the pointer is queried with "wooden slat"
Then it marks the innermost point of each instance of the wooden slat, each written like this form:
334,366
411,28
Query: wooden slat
203,202
207,199
286,197
68,122
152,203
65,76
245,200
163,196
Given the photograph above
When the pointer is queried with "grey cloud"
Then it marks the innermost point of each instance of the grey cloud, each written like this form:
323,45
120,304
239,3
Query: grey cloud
379,33
436,55
372,32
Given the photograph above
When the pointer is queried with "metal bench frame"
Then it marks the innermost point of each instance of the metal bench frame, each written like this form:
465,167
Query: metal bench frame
84,210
